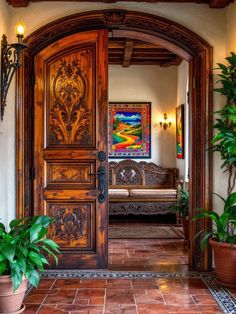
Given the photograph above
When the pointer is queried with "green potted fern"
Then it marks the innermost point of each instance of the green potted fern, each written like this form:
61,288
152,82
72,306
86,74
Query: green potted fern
23,251
222,237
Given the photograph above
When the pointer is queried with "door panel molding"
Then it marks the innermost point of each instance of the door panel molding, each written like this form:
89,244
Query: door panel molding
154,29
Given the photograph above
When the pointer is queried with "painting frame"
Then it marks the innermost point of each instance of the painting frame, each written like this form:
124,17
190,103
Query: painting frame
180,132
123,112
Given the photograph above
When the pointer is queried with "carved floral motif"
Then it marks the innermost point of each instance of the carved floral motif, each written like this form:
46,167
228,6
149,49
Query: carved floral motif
69,116
114,17
69,222
139,208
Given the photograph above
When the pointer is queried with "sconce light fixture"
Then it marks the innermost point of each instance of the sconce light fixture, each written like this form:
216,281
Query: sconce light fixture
165,124
10,61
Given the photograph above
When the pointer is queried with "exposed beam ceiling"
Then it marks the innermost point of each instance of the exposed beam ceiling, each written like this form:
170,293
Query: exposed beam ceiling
212,3
126,52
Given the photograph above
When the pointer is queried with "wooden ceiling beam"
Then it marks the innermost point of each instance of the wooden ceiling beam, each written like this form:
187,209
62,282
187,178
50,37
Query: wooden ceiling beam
175,61
219,4
18,3
129,45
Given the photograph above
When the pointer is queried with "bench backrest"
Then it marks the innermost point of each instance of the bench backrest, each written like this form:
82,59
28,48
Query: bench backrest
142,174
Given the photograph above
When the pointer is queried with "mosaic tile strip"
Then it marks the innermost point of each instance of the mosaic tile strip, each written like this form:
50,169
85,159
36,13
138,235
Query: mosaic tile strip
222,296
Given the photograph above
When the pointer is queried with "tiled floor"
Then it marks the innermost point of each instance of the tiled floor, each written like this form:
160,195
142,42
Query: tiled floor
148,254
123,296
128,296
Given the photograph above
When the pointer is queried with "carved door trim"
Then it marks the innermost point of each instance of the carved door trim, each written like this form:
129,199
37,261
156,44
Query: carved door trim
154,29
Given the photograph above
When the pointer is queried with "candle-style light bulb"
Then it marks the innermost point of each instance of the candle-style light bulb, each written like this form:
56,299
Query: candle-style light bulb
20,30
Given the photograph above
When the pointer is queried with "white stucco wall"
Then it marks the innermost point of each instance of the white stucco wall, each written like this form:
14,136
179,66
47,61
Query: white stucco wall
154,84
7,142
211,24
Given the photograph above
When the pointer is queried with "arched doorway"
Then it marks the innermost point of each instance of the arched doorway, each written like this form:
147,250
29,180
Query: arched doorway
150,28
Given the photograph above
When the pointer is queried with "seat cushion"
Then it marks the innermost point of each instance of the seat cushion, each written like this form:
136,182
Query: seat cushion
118,192
157,193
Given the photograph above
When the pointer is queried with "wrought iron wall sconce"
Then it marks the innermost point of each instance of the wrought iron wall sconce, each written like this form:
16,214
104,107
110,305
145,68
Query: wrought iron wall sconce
165,124
10,61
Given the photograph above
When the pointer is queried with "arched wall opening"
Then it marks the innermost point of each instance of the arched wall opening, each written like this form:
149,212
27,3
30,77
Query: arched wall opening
153,29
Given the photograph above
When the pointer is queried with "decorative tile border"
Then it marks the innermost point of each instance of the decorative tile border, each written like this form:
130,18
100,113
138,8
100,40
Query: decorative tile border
222,296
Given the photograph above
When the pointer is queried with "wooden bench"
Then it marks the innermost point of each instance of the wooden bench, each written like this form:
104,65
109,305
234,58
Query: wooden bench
141,188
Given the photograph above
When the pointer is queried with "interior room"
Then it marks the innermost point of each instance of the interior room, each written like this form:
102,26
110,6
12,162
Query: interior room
118,160
146,219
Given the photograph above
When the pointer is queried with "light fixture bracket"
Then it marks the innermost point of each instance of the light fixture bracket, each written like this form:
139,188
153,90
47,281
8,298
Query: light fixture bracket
165,124
10,61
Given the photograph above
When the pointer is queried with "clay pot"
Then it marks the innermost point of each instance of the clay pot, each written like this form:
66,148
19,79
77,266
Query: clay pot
11,302
185,228
225,262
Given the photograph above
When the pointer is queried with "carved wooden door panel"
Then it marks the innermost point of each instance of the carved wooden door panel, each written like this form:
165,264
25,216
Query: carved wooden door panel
70,145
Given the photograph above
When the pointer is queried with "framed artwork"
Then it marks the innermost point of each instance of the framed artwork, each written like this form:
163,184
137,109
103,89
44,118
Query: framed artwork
180,131
129,130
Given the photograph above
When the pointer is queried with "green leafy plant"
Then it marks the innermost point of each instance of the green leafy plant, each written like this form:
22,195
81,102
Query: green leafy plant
182,204
23,249
224,141
223,225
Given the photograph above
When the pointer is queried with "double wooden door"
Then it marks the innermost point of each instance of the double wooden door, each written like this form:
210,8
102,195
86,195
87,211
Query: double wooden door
70,146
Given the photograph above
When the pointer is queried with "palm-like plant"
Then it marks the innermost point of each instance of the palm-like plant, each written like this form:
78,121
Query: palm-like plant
224,225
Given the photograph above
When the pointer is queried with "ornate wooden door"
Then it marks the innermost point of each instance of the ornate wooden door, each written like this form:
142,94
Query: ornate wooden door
70,145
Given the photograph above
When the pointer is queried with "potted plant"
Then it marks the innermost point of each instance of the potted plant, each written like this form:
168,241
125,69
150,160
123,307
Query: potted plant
22,253
181,208
222,237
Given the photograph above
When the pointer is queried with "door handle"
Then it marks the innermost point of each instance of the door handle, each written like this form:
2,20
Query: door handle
102,182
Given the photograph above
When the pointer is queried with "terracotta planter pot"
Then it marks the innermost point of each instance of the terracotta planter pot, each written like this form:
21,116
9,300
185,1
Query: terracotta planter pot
11,302
225,262
185,228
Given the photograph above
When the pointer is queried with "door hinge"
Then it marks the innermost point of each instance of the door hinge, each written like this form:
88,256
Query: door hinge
194,82
32,173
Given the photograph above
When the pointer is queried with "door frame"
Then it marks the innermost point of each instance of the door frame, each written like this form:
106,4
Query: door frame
153,29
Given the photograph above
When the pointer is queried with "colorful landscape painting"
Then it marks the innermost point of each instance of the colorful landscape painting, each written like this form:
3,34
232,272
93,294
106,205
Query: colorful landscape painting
129,130
180,131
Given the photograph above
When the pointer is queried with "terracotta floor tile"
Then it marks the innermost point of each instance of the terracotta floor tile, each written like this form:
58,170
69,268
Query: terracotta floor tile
116,296
204,299
119,283
144,283
50,309
82,301
90,283
86,293
66,284
46,283
96,301
31,308
152,309
178,299
148,299
35,298
75,308
194,283
62,297
120,309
